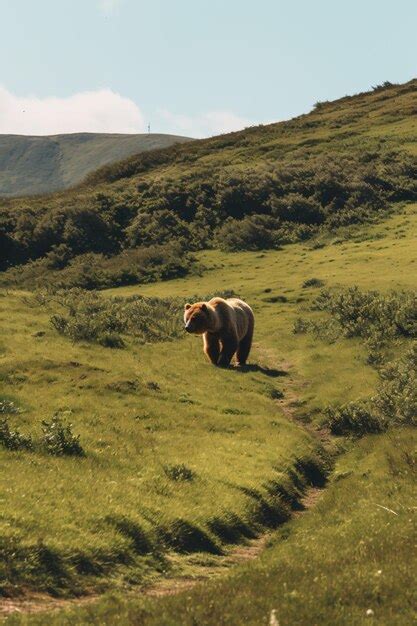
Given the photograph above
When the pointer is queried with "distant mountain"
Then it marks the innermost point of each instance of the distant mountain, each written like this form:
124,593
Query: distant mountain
34,165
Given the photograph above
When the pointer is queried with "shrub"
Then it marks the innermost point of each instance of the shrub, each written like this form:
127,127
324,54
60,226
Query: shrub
313,282
255,232
13,439
275,394
394,403
7,406
354,418
90,317
397,394
58,438
296,208
275,299
365,313
326,330
59,270
179,472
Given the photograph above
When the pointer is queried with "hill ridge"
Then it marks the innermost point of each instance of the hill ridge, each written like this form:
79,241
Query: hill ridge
36,164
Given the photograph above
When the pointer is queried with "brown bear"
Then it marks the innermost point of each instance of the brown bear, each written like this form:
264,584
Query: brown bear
227,328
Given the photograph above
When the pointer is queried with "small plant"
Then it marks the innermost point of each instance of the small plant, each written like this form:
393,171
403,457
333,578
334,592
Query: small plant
153,385
275,394
326,330
111,340
7,406
13,439
313,282
179,472
300,326
59,440
275,299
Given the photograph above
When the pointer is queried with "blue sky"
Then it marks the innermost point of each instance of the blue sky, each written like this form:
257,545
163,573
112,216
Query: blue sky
192,67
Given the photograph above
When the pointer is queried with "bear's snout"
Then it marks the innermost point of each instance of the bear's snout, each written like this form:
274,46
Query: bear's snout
187,327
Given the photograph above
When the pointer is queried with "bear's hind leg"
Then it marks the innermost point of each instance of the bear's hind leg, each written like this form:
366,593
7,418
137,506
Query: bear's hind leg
212,347
244,348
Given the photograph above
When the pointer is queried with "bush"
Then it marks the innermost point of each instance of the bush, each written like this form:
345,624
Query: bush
255,232
326,330
89,317
7,406
377,318
179,472
296,208
313,282
397,394
13,439
58,438
364,313
394,403
354,418
96,271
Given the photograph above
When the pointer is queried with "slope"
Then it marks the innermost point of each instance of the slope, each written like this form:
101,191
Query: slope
346,162
173,466
35,165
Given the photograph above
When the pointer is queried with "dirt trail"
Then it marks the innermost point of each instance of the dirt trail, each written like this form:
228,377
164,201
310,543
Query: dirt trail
35,603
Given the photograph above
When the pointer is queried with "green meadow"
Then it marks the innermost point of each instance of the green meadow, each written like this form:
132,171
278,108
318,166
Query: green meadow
131,465
185,459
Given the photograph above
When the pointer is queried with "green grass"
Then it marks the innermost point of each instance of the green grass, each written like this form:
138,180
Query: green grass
108,520
33,165
354,553
183,459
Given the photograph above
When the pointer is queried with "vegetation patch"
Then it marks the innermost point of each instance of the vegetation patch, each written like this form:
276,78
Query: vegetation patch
381,321
88,316
377,318
179,473
354,418
8,407
58,438
93,270
13,439
313,282
255,189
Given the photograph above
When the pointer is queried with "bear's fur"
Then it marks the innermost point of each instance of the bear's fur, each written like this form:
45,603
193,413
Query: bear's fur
227,328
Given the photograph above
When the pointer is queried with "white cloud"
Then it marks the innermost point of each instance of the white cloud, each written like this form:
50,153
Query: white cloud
90,111
108,7
205,124
103,111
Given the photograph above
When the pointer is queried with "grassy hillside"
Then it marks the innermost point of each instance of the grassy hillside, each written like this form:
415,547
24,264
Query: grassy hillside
128,460
346,162
35,165
348,561
172,465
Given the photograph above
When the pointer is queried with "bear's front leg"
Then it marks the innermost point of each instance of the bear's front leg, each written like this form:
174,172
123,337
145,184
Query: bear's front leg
229,347
211,347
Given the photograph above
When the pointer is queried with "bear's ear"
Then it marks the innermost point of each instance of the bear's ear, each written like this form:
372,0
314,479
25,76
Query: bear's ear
204,307
187,306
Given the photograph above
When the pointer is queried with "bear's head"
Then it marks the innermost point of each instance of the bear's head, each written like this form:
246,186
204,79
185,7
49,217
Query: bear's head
196,318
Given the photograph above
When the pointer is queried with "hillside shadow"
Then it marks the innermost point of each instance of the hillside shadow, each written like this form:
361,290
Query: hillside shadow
267,371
